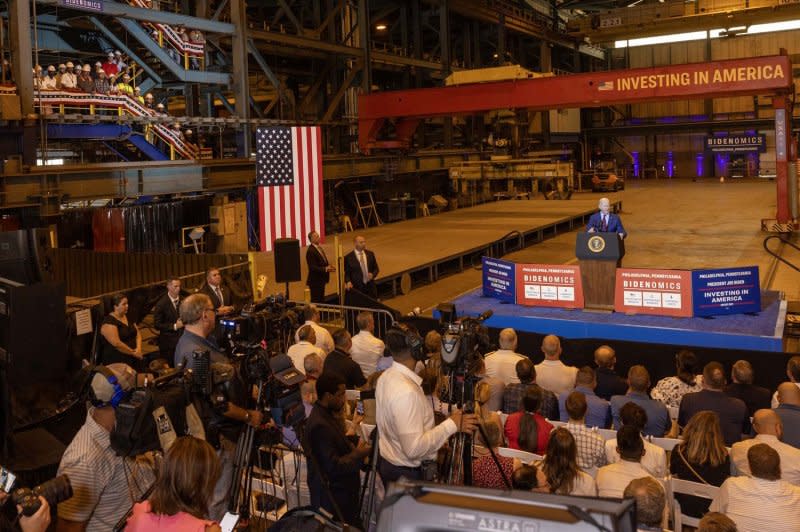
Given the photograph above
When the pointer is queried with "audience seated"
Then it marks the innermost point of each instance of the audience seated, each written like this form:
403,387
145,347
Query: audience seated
591,446
789,412
614,478
700,457
503,362
716,522
551,373
742,387
312,364
306,338
769,430
512,395
339,361
658,420
732,412
433,351
528,429
655,458
599,410
493,398
485,473
324,338
608,382
670,390
560,466
182,493
761,501
793,372
486,414
528,478
366,349
651,500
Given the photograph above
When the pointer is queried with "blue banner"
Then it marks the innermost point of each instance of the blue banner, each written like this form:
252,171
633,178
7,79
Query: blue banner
726,291
86,5
499,279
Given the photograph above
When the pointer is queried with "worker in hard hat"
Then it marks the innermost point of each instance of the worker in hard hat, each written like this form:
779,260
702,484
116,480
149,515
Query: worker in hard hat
124,86
49,82
68,78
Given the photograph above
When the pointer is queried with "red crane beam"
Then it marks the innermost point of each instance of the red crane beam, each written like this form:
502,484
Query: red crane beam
715,79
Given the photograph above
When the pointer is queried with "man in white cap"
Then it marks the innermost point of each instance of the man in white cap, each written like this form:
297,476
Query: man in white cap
121,65
124,86
69,80
110,66
101,84
85,81
49,82
104,485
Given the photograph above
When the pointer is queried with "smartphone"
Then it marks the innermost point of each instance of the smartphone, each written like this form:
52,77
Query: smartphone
229,522
7,480
360,408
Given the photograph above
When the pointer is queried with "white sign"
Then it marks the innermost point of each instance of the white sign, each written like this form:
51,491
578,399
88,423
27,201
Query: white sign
83,321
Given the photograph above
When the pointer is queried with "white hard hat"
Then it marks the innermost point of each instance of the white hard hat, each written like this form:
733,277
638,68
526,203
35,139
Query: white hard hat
38,68
87,67
110,53
62,65
117,53
69,64
51,68
98,64
160,106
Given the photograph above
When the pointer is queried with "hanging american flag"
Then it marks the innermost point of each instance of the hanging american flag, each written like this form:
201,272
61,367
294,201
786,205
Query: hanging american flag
289,177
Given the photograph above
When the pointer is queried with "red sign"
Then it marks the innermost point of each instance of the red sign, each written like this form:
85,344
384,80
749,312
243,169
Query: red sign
549,285
657,292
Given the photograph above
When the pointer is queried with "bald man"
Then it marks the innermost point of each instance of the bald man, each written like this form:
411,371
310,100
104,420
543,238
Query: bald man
502,364
769,430
789,412
551,373
608,382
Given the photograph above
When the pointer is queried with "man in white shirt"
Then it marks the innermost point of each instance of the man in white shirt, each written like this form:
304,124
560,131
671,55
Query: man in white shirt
655,458
769,429
366,349
324,338
614,478
551,373
406,432
762,501
503,362
304,346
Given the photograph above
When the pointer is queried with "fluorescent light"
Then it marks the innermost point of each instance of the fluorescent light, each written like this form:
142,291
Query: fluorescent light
774,26
381,27
664,39
620,44
49,162
737,28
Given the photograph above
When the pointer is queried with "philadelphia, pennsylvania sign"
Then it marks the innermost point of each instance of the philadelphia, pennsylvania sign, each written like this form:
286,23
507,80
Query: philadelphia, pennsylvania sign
499,277
726,291
737,144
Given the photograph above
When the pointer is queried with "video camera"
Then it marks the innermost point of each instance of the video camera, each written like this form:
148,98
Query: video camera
269,321
464,342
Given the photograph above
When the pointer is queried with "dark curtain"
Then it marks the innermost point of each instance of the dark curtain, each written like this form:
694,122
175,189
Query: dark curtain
75,229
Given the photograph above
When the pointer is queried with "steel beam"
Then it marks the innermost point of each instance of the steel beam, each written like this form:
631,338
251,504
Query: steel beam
240,85
120,45
19,25
337,98
120,10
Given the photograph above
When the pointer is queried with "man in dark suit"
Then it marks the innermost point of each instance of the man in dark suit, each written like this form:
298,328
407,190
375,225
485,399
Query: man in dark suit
334,463
605,221
361,269
167,319
220,295
319,269
608,382
339,361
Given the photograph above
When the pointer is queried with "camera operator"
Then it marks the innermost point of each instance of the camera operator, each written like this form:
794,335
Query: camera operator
104,485
407,437
199,321
37,522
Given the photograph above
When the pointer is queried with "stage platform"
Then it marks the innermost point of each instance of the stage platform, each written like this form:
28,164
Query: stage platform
422,250
760,332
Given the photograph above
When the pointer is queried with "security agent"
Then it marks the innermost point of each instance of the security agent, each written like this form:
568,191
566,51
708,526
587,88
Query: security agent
199,319
407,438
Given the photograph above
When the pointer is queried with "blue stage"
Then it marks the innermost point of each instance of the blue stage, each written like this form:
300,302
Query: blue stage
759,332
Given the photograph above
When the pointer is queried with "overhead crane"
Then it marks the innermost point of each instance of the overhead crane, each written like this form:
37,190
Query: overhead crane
768,75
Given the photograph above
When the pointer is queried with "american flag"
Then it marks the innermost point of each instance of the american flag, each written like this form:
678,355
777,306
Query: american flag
606,86
289,177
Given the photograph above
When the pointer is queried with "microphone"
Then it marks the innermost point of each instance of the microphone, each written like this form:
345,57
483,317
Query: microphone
486,315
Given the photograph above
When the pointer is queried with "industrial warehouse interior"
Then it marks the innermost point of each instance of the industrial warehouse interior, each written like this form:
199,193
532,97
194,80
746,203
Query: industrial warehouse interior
383,265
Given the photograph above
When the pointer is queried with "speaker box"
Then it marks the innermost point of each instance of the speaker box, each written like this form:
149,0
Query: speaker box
15,257
287,260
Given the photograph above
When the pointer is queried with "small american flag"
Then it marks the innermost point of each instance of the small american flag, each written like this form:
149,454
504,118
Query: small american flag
606,86
289,177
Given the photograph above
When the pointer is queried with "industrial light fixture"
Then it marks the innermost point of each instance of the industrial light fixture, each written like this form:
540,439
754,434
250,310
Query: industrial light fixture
381,26
196,234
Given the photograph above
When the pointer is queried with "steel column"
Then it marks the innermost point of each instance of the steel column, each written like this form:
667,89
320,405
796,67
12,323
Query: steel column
783,138
365,32
240,74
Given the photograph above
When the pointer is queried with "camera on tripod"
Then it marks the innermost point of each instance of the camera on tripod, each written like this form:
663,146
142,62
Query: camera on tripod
268,321
464,342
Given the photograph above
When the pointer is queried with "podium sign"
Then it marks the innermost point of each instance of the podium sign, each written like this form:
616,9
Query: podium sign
726,291
499,277
549,285
656,292
599,255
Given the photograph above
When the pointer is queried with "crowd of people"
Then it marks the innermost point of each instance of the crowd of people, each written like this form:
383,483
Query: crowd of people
730,434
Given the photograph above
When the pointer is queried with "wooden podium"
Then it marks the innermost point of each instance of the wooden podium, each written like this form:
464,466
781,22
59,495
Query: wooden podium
599,254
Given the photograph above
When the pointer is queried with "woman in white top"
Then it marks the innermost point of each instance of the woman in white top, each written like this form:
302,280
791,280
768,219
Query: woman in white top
671,390
560,466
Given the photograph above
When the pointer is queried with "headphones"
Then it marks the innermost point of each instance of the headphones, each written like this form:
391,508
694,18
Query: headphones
413,341
119,394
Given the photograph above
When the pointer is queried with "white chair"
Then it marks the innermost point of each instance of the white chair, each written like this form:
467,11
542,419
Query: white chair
687,487
607,434
557,423
503,418
524,456
673,412
668,444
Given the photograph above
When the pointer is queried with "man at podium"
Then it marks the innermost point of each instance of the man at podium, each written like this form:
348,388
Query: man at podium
604,221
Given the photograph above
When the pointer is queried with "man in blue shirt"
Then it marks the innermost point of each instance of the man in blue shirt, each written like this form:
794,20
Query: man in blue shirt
598,413
658,421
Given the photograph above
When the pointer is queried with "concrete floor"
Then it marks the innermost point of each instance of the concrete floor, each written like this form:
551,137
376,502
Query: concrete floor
671,224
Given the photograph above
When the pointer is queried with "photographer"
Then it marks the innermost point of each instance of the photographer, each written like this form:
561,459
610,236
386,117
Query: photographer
199,321
104,485
37,522
406,431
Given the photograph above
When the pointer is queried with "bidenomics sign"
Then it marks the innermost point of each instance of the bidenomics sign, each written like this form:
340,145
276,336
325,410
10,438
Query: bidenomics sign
726,291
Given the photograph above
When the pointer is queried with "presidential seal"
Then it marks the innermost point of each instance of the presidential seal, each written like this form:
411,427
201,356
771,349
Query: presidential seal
596,244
